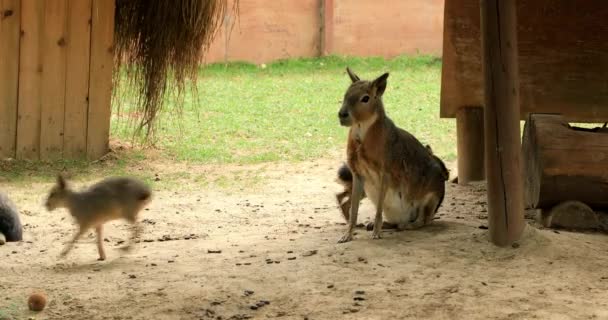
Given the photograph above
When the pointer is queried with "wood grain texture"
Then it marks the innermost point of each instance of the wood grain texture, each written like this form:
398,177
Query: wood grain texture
78,41
53,79
30,79
562,163
100,88
562,58
9,75
501,117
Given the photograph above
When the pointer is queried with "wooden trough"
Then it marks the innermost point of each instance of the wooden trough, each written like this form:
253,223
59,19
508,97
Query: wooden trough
55,78
506,59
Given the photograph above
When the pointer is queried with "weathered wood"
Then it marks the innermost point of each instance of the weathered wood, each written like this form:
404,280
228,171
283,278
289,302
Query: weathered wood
501,114
30,79
470,142
77,78
9,75
562,60
100,88
562,163
53,79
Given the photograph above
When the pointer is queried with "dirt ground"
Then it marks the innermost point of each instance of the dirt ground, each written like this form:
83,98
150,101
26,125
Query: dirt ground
271,251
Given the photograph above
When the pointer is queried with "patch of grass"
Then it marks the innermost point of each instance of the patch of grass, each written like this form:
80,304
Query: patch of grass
244,113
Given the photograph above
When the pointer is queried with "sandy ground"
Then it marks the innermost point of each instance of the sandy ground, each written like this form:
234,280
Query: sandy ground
279,258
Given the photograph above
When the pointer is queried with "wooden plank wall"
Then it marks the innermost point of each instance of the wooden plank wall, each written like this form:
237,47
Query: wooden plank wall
55,78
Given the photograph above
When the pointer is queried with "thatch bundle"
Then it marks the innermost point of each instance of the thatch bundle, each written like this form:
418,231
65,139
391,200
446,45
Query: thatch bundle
162,40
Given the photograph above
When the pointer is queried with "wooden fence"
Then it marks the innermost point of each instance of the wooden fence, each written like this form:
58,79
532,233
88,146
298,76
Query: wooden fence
55,78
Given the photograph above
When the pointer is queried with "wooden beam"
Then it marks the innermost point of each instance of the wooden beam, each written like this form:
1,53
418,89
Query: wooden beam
9,75
503,146
470,142
100,83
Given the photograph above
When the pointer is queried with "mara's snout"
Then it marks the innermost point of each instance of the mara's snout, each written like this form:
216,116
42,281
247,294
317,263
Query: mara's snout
344,117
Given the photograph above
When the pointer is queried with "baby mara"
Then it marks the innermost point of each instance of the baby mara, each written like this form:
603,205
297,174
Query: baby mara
110,199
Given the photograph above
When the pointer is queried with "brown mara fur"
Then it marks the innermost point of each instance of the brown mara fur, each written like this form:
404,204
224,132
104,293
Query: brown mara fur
110,199
403,178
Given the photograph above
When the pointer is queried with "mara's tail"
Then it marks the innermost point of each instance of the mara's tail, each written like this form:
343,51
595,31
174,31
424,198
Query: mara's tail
345,175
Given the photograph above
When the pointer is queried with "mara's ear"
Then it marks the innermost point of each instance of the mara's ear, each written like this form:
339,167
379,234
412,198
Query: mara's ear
353,77
61,181
379,85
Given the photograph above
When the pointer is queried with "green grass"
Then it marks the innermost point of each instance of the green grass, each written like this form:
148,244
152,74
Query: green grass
244,113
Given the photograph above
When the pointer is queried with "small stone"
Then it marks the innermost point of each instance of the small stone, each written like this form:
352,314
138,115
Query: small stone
309,253
214,251
330,286
359,292
132,276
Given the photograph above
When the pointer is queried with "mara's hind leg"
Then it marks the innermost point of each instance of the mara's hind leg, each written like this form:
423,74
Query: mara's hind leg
344,205
423,214
354,208
102,253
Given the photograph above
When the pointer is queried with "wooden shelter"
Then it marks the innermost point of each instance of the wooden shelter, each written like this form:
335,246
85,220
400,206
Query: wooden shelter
527,56
55,78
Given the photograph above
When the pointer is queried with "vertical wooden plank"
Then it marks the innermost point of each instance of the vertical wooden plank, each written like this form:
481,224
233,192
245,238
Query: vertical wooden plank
503,145
469,131
78,39
100,88
53,79
30,79
9,75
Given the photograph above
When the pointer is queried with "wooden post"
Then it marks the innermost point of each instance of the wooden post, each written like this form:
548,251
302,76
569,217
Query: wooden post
469,130
327,27
502,147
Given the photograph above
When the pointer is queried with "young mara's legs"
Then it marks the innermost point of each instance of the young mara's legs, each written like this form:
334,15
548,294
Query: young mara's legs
102,254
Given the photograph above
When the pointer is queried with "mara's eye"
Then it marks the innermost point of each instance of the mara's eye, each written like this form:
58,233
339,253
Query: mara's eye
365,99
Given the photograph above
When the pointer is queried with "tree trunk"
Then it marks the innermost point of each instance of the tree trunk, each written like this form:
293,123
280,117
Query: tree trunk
564,163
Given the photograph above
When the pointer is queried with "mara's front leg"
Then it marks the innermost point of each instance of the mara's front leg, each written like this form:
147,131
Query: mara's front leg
379,207
354,207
